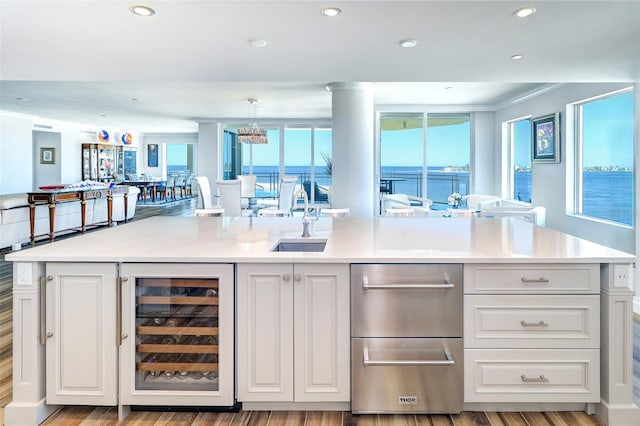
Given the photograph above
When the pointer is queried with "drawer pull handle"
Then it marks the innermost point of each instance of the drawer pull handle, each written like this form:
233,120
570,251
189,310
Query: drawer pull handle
540,323
540,379
540,280
367,362
404,286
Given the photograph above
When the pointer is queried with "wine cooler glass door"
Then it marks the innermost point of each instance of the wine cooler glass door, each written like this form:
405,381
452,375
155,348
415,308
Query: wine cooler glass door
176,334
176,323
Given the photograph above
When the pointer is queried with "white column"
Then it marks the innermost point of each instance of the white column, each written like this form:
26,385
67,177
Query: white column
352,147
209,152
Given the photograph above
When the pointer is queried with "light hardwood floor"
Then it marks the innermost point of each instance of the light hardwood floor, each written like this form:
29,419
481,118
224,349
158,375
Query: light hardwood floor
107,416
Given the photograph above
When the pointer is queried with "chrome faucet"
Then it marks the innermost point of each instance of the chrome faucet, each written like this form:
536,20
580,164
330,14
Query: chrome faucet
307,218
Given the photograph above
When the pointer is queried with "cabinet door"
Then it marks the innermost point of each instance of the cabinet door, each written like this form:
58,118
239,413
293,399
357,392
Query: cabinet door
265,332
177,324
321,336
81,349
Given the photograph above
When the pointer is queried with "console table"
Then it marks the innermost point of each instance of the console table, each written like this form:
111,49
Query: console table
64,195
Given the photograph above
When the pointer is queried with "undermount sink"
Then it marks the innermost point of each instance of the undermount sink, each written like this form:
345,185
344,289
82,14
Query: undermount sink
302,245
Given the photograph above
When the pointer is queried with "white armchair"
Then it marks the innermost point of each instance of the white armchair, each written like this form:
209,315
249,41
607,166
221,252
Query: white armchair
420,205
482,202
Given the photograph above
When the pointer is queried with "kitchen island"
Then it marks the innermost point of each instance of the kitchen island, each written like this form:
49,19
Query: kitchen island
596,350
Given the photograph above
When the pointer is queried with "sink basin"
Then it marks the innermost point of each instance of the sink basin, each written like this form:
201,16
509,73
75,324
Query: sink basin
300,245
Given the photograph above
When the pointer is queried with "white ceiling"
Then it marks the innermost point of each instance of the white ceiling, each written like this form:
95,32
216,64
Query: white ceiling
85,61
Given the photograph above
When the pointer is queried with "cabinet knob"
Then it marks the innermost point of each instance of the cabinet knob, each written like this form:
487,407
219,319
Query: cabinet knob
124,336
297,277
49,277
125,279
49,334
286,277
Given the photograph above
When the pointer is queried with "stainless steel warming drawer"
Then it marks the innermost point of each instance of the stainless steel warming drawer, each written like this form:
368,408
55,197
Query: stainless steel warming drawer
406,346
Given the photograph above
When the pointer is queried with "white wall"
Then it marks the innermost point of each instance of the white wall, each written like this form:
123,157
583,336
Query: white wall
46,174
16,159
485,159
549,181
17,153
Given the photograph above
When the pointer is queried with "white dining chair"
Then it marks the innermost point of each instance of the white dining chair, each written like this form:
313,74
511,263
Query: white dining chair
214,211
247,188
400,212
334,212
205,200
273,213
229,193
285,199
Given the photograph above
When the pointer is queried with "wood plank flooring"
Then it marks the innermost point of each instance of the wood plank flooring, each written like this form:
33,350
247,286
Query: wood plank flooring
89,416
107,416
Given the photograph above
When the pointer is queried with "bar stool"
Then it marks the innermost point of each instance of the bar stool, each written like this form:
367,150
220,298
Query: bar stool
209,212
334,212
400,212
273,213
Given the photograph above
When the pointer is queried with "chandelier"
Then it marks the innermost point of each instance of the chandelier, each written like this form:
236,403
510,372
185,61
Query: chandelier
252,134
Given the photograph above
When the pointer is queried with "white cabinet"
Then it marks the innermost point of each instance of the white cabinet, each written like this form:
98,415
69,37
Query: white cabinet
293,332
532,333
81,351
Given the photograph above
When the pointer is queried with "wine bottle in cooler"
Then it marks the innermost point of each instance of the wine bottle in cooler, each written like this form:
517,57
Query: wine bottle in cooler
170,357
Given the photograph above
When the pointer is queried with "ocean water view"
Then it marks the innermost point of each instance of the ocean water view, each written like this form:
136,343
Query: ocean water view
607,194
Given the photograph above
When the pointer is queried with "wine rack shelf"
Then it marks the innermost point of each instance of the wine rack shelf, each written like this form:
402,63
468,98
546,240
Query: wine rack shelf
177,333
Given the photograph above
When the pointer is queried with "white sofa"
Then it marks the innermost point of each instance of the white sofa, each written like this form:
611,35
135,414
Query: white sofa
509,208
14,215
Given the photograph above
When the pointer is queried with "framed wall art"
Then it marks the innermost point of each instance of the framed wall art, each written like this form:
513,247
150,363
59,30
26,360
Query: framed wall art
152,155
545,139
47,155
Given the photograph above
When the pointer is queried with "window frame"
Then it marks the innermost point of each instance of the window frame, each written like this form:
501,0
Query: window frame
575,201
508,191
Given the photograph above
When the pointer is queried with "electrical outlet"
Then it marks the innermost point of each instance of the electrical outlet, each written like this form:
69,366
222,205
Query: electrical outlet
24,276
621,276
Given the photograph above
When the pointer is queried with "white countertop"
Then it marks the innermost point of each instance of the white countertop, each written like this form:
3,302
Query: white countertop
349,240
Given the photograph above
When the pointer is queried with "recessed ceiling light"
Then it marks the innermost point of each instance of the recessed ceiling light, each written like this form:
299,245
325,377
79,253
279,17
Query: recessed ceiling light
22,99
408,43
523,12
256,42
135,99
331,11
516,57
142,10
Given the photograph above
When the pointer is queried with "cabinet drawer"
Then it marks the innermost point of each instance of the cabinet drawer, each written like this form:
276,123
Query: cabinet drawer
525,375
531,321
532,278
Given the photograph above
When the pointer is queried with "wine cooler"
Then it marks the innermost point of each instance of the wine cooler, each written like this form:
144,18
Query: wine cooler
177,334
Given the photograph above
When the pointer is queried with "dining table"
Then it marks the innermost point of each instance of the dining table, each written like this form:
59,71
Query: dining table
146,186
252,201
388,183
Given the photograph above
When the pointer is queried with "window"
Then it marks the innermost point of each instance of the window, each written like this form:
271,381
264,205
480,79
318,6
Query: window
430,163
448,155
604,157
179,157
519,176
305,153
402,153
